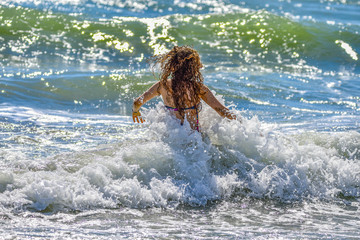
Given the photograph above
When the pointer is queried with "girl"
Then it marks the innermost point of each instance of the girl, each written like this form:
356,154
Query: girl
181,87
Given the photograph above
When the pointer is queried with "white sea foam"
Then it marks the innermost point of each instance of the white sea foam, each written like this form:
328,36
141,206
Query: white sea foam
164,164
54,117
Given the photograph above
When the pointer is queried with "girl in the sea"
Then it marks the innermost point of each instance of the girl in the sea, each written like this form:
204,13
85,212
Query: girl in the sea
181,87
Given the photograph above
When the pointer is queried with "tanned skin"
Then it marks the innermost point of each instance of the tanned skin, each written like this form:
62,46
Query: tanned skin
181,86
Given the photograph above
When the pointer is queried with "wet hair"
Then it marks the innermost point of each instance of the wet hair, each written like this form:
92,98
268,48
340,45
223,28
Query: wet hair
182,65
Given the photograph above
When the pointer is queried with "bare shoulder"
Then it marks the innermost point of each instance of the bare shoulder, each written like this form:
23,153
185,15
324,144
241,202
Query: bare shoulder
156,87
159,86
153,91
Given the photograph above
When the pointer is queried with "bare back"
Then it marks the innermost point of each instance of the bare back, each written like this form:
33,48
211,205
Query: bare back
190,114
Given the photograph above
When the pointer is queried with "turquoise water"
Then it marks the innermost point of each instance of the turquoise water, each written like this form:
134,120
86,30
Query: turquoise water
73,165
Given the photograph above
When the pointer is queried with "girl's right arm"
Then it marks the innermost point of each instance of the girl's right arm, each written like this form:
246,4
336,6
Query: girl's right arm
152,92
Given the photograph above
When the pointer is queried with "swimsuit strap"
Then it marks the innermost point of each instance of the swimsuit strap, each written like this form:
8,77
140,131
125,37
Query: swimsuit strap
196,106
175,109
193,107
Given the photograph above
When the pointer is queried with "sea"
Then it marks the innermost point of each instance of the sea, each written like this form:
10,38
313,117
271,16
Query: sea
73,164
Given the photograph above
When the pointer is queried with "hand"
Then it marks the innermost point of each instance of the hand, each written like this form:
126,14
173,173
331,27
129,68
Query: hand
136,116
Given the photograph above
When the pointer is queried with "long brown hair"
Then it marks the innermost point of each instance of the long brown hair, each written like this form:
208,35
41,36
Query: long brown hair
182,65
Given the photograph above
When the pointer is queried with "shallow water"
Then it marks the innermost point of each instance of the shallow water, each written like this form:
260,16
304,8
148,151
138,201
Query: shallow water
73,165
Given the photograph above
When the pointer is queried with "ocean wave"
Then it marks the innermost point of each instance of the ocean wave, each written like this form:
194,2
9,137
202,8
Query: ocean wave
71,61
35,38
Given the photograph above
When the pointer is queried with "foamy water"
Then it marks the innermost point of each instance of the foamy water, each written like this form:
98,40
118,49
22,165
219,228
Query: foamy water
251,167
